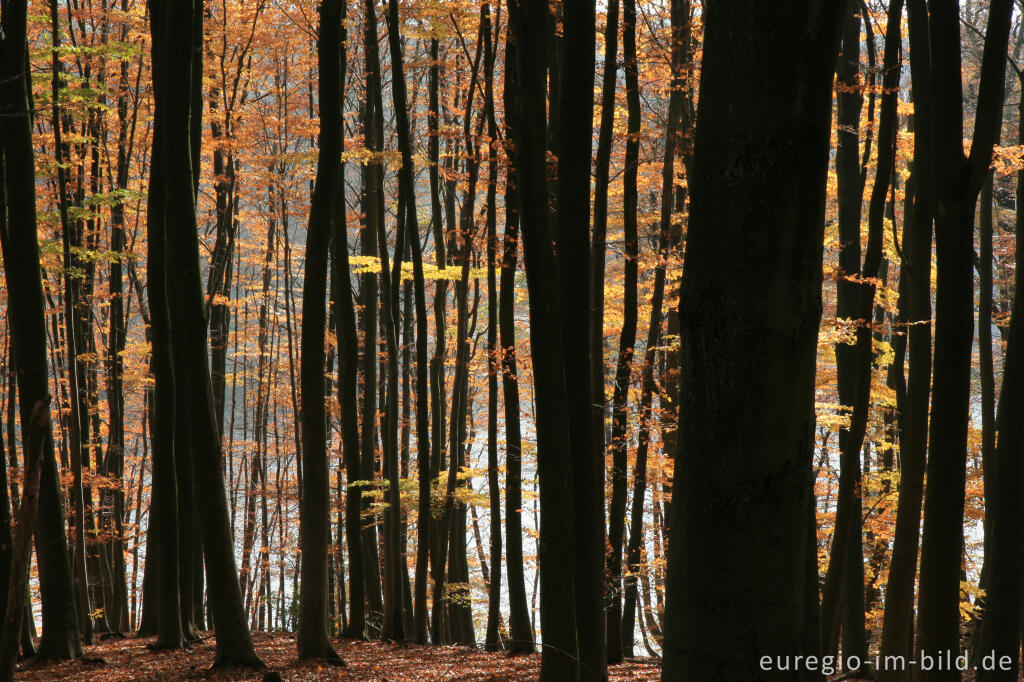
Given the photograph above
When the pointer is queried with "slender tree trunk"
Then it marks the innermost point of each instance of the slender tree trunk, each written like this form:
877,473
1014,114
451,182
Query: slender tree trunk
520,630
72,292
838,604
1002,625
958,180
620,634
348,366
372,188
314,526
598,249
437,377
114,460
846,566
492,639
35,435
407,199
898,623
28,330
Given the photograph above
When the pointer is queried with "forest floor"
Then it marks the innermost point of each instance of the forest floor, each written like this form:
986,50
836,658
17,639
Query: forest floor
129,659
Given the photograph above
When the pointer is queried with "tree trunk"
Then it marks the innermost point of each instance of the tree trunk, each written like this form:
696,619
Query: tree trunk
898,623
1001,629
574,139
520,631
492,639
554,460
348,367
619,639
958,180
314,527
371,200
28,330
174,37
36,433
739,570
839,604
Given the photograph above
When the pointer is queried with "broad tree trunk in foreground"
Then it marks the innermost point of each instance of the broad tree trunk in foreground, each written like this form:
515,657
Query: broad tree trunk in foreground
740,582
572,255
177,36
554,462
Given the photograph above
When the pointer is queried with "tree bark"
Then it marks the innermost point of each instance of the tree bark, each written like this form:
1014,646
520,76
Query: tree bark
175,36
958,180
898,623
1001,627
627,338
520,631
314,526
554,459
574,140
36,433
60,637
739,569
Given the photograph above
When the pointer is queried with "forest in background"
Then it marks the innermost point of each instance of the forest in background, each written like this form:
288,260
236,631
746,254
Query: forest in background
368,320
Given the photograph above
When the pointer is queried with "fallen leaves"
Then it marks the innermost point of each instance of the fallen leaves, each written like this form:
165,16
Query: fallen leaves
129,659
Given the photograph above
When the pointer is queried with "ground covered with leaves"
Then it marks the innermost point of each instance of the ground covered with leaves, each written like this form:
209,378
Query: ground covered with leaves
130,659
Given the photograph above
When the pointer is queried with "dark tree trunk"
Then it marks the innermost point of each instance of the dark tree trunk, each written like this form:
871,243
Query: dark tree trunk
492,637
958,179
114,460
739,569
451,546
839,603
314,525
72,295
6,532
20,554
554,456
846,565
348,367
574,139
372,201
407,198
175,35
670,234
28,330
1001,628
898,623
520,631
598,248
393,619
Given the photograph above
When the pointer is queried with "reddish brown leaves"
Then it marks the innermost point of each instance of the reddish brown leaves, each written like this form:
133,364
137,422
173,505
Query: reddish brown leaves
128,659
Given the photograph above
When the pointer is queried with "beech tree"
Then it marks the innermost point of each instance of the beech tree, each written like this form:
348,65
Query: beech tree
60,636
265,259
742,480
312,639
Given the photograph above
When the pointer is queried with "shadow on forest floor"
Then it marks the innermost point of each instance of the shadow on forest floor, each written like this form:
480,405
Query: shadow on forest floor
128,659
